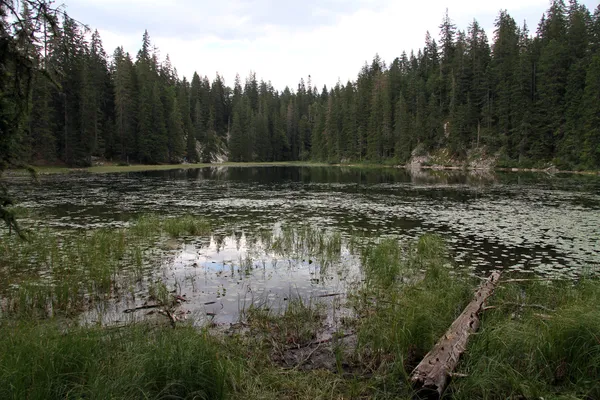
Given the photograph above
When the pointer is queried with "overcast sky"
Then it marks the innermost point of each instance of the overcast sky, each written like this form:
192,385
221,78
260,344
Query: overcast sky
283,41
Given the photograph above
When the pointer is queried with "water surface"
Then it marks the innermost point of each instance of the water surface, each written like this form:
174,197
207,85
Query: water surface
544,224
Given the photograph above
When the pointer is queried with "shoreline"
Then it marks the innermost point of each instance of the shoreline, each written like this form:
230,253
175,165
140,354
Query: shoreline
103,169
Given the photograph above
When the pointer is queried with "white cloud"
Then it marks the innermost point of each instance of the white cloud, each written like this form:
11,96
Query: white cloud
326,51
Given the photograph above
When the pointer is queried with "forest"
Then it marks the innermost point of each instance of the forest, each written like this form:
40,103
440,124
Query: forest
527,99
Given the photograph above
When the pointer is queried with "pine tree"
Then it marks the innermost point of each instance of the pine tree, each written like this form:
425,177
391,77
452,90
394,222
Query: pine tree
97,98
447,34
505,80
349,131
528,99
210,143
75,142
568,146
237,133
403,135
319,151
551,79
176,131
590,156
125,105
380,130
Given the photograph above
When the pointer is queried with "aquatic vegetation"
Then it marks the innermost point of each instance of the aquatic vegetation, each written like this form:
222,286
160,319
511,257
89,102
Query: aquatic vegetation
148,225
296,325
307,242
65,272
186,226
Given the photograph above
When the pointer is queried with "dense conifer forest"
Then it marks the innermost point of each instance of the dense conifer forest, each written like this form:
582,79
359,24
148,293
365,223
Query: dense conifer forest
527,98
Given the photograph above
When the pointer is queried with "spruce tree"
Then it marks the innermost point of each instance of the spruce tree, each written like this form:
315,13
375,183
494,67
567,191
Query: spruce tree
590,156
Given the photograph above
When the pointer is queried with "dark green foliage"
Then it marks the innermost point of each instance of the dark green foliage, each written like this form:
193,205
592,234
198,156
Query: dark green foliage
528,100
19,68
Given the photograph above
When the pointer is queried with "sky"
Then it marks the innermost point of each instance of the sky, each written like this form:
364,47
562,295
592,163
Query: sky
283,41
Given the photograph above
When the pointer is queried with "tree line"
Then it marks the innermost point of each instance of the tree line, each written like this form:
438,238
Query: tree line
528,99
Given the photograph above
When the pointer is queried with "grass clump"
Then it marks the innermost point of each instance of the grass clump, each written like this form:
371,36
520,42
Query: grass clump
65,272
389,262
410,299
45,361
54,272
542,341
187,225
298,324
307,242
148,226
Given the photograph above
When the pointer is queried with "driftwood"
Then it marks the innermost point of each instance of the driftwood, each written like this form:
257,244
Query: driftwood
322,341
170,315
328,295
144,307
431,376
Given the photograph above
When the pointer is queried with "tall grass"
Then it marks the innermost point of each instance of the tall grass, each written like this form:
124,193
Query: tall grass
308,242
410,299
62,273
298,324
187,225
45,361
53,272
542,341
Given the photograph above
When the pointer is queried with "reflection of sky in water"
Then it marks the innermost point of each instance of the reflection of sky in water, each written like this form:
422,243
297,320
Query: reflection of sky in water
233,275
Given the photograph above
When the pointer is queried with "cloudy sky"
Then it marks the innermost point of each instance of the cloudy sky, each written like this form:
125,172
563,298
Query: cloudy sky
283,41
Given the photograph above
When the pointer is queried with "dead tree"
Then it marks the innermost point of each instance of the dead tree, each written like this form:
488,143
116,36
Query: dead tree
431,376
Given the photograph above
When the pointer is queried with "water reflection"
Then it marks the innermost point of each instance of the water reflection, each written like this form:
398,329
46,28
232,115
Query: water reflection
530,221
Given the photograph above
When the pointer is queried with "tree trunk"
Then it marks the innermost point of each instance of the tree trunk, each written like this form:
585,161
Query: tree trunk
431,376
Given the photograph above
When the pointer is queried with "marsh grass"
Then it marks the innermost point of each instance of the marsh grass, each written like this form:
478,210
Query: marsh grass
64,272
187,225
259,367
52,272
147,226
297,324
542,341
47,361
309,243
410,299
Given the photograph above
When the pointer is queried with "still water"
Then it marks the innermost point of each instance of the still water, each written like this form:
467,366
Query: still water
543,224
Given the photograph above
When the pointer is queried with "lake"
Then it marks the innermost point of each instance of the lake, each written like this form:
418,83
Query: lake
535,223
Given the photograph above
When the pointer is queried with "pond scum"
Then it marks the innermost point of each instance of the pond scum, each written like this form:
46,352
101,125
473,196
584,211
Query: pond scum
538,339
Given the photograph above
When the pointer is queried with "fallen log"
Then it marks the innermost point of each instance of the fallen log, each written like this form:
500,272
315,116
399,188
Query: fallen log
144,307
431,376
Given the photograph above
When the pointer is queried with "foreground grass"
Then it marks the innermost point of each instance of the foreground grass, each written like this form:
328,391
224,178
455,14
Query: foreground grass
541,339
410,299
140,362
